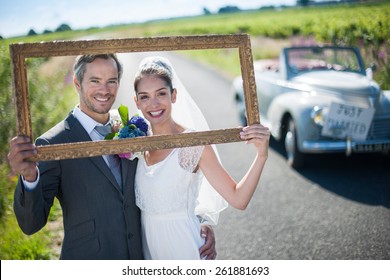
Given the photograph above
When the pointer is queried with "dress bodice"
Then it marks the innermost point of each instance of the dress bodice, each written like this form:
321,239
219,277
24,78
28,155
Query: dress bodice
171,185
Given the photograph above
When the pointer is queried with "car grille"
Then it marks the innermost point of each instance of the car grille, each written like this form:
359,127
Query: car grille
380,128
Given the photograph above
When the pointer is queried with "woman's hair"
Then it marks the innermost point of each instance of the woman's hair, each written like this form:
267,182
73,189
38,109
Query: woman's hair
154,66
83,60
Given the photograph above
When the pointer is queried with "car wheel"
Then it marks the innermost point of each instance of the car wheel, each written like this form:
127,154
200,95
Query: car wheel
295,158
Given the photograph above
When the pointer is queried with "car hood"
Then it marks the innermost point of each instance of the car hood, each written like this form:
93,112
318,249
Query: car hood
339,82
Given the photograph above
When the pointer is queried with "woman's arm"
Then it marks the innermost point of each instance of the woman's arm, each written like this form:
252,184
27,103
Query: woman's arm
238,194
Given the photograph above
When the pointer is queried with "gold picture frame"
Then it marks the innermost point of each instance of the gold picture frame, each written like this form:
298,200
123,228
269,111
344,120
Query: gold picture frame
19,53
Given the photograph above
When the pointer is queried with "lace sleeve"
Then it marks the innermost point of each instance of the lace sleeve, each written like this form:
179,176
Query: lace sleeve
189,157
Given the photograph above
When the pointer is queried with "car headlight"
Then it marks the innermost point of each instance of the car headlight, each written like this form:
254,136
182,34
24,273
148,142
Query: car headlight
319,114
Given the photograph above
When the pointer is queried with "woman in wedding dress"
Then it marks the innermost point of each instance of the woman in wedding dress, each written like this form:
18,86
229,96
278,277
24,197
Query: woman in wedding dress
168,183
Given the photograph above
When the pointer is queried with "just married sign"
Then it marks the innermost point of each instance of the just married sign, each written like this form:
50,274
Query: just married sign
348,121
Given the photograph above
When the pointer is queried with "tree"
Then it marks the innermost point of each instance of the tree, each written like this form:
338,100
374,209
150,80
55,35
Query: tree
228,9
31,32
63,27
270,7
206,11
303,2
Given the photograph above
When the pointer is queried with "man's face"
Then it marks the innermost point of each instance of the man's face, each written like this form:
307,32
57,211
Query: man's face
98,89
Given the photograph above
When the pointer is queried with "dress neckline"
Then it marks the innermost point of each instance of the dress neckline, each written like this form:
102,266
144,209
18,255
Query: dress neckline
157,163
161,161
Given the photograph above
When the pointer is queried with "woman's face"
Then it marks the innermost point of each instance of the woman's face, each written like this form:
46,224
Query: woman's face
155,99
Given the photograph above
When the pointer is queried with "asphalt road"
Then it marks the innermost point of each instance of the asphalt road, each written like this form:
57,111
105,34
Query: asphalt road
337,208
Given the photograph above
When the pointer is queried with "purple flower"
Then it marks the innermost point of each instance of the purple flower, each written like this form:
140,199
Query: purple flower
140,123
125,155
135,127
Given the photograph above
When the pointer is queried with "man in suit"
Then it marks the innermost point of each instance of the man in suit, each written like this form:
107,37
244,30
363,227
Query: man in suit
101,219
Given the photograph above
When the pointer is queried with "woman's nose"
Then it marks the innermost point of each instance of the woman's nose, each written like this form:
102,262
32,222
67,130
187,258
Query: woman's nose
154,101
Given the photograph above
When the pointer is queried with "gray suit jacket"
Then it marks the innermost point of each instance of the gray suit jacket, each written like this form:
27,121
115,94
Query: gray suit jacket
100,222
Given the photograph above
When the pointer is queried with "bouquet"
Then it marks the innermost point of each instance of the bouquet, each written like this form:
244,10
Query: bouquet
127,128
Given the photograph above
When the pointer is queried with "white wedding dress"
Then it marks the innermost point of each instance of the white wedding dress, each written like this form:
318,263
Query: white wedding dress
166,193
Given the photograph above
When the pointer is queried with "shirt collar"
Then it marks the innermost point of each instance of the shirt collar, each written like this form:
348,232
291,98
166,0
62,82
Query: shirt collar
86,121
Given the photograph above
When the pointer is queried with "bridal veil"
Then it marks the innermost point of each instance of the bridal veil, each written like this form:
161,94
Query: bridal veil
186,112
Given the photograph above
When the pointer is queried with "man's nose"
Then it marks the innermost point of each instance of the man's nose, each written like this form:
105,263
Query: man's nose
105,87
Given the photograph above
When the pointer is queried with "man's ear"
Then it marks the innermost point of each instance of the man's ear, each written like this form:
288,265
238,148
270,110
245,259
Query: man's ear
76,83
173,95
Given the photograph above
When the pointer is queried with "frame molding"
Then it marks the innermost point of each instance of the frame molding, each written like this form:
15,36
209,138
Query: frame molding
19,53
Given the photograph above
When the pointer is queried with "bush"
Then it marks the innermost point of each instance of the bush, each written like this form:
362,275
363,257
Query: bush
51,98
7,110
15,245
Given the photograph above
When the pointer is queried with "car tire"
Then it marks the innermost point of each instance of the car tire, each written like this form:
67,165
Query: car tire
295,158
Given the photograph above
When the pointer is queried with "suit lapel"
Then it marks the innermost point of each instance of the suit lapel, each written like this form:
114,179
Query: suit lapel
78,134
102,166
128,174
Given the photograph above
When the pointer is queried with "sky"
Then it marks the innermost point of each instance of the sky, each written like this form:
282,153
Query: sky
17,17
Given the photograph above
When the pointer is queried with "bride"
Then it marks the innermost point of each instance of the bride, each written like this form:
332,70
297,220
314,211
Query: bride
169,185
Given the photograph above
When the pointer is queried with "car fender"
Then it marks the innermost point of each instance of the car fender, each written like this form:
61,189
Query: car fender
385,104
298,105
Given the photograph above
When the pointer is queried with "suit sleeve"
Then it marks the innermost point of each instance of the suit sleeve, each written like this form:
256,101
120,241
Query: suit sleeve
32,207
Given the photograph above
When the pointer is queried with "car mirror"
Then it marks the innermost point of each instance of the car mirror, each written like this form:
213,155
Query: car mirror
370,71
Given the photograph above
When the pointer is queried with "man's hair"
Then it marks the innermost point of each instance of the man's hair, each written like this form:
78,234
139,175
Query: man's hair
83,60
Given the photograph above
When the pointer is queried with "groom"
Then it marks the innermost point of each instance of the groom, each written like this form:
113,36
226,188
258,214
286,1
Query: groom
101,219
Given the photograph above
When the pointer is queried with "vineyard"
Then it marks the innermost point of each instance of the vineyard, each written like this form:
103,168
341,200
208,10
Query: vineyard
348,23
365,26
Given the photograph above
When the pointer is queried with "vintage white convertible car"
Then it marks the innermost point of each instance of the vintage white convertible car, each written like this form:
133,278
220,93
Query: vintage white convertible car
320,100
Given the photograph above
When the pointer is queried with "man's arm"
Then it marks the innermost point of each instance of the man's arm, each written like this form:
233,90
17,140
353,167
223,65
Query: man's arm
31,205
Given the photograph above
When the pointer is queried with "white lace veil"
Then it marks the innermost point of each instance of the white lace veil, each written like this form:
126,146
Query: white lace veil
186,112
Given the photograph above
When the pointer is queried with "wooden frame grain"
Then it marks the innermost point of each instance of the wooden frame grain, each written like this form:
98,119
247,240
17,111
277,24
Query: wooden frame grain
19,53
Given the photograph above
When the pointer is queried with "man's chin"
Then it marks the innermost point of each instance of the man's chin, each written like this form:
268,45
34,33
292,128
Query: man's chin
103,110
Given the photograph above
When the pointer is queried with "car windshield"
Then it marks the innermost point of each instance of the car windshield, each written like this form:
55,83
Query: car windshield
309,59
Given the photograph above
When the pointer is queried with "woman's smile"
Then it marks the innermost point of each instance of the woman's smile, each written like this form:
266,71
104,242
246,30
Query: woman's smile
156,114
